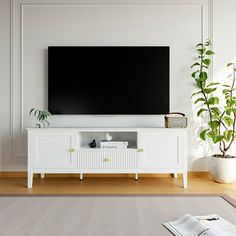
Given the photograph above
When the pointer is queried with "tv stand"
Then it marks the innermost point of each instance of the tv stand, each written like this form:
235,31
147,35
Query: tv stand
66,150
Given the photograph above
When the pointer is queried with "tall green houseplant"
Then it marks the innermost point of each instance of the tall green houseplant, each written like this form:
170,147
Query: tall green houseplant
221,114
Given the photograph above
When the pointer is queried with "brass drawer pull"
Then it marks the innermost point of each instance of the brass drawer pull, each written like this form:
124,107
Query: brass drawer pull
106,159
140,150
71,150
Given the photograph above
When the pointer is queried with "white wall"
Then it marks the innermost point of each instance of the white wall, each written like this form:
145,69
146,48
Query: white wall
32,25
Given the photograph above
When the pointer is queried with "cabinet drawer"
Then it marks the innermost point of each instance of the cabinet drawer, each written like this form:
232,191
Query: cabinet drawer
107,159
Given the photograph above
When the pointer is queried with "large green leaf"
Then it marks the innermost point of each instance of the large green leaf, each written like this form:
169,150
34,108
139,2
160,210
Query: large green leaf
228,120
209,52
200,83
201,50
214,124
228,135
203,75
209,90
203,134
213,101
228,110
207,61
216,111
217,138
199,100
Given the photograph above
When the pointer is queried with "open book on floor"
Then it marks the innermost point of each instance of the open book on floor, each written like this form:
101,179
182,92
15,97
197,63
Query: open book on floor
210,225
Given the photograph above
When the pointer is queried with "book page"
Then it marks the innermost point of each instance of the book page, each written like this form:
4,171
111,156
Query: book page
218,225
187,225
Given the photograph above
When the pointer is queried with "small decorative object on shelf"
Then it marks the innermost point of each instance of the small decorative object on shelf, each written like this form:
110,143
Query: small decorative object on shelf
172,121
108,137
41,116
92,144
114,144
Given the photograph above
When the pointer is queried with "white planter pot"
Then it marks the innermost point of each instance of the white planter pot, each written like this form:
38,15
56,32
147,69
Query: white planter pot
223,170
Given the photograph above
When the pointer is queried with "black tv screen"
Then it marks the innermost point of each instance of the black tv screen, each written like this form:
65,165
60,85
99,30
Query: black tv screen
128,80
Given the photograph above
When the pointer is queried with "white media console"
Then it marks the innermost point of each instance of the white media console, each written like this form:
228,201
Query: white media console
65,150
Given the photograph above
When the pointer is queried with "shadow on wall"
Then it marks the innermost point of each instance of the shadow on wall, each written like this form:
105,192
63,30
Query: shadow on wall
201,149
201,163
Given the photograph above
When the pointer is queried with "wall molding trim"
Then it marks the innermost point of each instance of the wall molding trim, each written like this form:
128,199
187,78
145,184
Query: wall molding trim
18,143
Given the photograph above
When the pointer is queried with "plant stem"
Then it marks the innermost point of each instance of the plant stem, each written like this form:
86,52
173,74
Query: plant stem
234,121
202,89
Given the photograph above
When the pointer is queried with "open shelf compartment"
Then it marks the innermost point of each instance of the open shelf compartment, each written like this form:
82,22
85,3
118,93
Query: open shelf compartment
85,137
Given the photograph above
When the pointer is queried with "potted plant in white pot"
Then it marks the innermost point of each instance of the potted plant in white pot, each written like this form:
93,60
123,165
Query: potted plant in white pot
219,113
41,116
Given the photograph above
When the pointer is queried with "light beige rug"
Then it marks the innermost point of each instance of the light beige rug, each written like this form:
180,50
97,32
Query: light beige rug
105,215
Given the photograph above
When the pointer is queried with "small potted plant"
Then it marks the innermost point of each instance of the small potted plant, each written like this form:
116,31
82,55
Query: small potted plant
219,113
41,116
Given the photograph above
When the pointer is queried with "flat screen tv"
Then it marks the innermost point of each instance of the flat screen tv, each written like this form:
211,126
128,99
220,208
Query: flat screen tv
108,80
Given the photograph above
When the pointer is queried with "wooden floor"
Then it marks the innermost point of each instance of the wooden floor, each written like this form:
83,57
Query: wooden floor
118,185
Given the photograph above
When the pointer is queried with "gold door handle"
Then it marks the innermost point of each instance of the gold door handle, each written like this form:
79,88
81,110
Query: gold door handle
71,150
106,159
140,150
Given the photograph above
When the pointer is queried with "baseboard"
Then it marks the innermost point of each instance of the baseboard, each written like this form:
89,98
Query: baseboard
23,174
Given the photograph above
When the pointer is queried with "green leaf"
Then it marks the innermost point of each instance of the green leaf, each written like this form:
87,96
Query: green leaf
203,134
230,64
217,138
199,100
209,90
196,93
209,52
216,111
214,124
225,91
35,113
200,83
214,137
228,111
229,102
194,73
207,61
39,115
200,44
195,64
228,120
31,111
213,101
200,111
228,135
208,42
203,75
201,50
212,84
210,134
226,85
